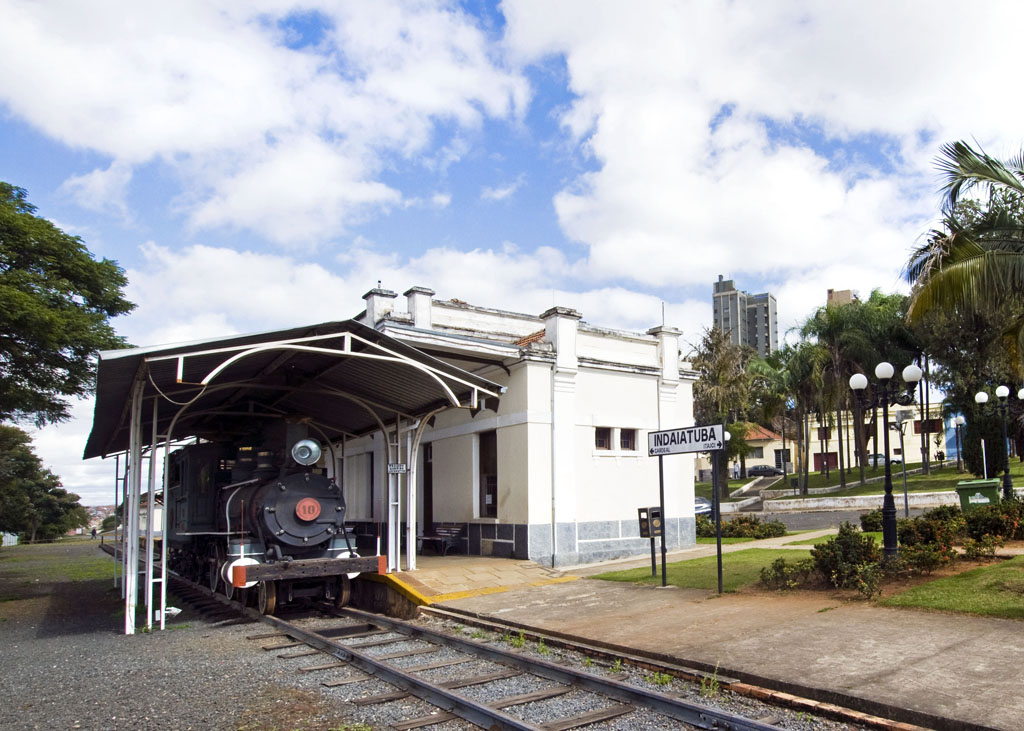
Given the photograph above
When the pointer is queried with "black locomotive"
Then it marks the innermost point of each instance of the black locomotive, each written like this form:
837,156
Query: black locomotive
265,506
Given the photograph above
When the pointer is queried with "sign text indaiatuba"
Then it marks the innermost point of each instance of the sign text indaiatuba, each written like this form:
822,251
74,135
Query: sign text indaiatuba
687,439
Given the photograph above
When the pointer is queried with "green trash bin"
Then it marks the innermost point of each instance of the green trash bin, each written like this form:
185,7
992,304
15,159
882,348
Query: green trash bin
974,493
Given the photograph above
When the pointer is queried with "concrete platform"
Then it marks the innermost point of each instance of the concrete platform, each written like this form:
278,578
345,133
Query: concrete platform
944,671
444,578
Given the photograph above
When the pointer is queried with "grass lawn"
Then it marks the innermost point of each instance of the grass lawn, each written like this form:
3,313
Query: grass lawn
739,569
725,540
939,480
703,489
994,591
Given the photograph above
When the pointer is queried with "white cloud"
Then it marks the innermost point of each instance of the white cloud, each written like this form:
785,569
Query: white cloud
501,192
289,143
697,117
102,190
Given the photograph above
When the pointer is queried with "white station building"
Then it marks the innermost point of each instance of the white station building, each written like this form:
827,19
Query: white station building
556,469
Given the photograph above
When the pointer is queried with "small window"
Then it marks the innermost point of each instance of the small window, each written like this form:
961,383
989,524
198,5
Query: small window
602,437
627,440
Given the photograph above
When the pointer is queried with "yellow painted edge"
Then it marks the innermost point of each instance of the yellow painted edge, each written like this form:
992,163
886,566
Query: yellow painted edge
400,586
422,600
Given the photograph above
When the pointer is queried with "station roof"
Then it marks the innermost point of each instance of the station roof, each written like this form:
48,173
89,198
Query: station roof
342,376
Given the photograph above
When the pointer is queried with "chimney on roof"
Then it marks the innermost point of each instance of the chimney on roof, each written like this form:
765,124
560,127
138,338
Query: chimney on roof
419,301
560,327
379,303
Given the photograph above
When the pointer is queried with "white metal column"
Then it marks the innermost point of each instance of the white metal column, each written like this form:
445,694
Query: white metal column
150,520
131,576
394,455
410,502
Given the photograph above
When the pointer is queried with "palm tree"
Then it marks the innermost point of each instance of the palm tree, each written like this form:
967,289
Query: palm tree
973,262
722,391
843,332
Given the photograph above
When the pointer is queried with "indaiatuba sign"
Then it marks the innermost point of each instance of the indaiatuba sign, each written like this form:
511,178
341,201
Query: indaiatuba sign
685,440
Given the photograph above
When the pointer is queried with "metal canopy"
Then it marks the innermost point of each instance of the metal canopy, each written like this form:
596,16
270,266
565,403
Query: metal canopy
344,376
341,378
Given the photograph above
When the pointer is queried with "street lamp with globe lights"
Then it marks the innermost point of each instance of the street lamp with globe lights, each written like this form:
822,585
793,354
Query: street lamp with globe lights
1002,393
885,394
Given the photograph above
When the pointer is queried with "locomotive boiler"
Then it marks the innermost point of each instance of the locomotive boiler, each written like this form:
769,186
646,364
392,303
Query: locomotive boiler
263,511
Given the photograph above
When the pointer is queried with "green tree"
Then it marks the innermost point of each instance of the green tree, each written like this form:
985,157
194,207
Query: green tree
56,301
721,394
842,332
32,500
973,262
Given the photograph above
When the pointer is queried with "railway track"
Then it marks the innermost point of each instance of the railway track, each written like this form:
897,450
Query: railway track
485,684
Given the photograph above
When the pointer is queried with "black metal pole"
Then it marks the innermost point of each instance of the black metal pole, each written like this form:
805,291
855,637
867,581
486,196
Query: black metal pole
717,508
1007,482
888,503
661,495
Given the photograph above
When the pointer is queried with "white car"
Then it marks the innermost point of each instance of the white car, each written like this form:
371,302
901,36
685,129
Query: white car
878,460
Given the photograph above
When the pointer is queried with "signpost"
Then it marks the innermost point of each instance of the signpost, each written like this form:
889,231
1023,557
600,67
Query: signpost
684,441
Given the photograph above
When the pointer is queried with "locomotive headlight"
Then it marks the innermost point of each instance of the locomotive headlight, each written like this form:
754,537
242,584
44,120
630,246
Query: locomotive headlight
306,451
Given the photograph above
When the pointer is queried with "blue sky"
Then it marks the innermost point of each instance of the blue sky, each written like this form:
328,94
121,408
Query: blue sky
263,164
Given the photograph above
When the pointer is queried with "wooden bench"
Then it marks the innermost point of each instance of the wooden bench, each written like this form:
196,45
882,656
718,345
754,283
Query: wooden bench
445,537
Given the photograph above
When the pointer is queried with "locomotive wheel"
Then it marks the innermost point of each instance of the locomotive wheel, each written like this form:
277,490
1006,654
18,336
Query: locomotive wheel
229,588
266,597
344,591
214,561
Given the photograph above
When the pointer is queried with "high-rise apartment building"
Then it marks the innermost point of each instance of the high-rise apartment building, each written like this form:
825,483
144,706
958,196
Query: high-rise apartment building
750,319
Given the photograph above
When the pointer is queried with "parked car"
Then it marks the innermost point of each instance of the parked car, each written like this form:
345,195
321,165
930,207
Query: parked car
702,506
878,460
763,470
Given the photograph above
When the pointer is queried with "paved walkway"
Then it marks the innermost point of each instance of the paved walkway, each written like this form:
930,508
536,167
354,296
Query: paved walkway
948,671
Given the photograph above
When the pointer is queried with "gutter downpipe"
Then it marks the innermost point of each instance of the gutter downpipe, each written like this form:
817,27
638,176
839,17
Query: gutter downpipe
554,452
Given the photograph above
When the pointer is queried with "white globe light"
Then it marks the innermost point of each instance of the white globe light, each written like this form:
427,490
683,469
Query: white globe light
728,436
912,374
1020,394
960,420
858,382
1002,391
884,371
981,397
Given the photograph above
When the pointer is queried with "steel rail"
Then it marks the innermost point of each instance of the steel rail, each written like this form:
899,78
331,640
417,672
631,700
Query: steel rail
487,716
477,713
681,710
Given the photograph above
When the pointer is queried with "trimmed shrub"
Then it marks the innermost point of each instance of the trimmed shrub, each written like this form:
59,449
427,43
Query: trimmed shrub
840,559
742,526
784,575
923,558
993,520
941,527
982,548
872,521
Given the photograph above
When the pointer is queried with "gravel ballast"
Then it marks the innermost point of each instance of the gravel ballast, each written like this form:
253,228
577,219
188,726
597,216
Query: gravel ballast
68,665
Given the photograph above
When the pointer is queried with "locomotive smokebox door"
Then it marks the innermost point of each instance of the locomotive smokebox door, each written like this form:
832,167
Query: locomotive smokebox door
301,509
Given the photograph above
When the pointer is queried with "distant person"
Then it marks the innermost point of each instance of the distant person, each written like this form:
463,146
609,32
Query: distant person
736,471
93,534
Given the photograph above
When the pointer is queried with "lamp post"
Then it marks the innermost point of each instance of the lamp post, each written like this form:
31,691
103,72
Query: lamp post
1002,393
884,394
959,421
900,426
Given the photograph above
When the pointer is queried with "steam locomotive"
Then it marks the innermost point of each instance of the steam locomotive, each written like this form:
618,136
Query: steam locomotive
261,510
